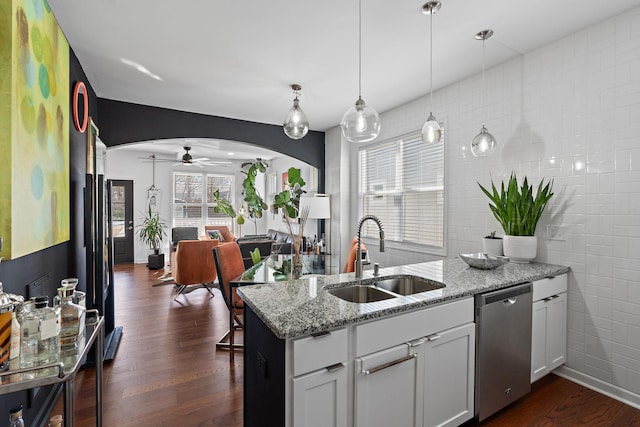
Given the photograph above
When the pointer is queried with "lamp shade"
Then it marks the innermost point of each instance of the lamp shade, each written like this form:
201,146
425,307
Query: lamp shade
483,144
360,123
319,206
296,124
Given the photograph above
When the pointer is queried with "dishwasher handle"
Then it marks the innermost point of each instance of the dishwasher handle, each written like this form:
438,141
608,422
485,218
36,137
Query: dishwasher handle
504,294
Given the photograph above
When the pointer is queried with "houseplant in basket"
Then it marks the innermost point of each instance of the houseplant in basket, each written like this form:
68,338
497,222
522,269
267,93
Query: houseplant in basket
152,233
518,210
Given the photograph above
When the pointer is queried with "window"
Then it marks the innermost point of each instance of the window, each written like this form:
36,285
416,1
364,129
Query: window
402,183
193,200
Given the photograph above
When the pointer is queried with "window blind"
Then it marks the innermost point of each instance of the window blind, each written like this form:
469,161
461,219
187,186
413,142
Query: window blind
402,183
193,200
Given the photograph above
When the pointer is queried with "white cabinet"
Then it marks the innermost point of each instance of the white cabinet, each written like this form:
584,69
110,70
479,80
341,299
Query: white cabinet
449,376
549,326
389,387
428,381
319,386
320,398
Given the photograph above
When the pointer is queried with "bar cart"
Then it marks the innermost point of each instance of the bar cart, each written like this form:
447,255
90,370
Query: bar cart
64,371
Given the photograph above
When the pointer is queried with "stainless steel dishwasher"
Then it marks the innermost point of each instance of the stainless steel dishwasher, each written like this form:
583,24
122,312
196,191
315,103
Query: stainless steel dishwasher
503,348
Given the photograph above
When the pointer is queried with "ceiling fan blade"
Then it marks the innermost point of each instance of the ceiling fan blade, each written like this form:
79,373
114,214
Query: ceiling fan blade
201,159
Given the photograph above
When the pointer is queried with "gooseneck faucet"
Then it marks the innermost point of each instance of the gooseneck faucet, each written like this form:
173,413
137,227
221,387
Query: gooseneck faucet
374,218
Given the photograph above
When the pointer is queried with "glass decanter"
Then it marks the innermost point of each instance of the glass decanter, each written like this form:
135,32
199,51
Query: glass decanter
72,318
40,340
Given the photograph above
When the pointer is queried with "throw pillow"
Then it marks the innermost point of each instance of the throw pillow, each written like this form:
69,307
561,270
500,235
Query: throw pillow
215,234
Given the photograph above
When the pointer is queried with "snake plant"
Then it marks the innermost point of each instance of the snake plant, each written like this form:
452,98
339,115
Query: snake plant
518,209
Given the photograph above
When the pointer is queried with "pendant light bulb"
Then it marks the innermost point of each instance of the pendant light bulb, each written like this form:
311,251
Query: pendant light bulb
360,123
431,130
296,124
484,143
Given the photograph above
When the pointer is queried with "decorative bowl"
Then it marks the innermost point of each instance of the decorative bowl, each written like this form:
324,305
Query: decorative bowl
483,261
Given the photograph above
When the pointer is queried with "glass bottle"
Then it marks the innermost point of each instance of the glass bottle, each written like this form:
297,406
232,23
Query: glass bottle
40,340
72,318
15,417
6,310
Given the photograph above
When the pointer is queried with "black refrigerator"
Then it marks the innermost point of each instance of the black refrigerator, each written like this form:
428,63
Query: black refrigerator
99,246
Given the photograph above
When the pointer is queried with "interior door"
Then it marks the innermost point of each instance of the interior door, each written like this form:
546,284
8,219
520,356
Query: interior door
122,220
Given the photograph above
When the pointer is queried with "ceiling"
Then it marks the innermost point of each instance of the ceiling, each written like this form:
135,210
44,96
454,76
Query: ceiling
238,58
212,149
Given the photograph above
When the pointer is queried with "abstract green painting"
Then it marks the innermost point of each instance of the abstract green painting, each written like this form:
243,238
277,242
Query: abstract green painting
34,129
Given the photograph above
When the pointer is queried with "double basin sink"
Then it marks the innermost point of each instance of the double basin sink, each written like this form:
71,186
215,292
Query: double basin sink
387,288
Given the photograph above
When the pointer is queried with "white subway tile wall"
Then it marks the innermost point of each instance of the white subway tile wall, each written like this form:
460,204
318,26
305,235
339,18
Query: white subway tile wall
568,111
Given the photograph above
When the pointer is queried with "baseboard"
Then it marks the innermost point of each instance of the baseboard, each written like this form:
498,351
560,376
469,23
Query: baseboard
614,392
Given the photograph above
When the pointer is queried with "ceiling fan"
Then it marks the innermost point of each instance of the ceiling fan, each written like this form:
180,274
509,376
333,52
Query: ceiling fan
187,159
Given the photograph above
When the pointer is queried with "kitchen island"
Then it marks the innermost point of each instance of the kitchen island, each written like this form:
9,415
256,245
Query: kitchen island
304,345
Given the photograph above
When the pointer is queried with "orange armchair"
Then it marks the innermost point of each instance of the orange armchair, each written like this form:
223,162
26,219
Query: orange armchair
194,265
227,235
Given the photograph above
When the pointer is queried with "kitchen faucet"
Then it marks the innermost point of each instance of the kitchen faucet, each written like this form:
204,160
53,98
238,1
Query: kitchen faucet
374,218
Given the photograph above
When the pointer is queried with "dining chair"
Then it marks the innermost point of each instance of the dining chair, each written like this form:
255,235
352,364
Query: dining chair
194,265
229,265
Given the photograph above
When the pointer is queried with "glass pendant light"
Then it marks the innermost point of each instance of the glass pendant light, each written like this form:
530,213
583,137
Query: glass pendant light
431,130
360,123
484,143
296,124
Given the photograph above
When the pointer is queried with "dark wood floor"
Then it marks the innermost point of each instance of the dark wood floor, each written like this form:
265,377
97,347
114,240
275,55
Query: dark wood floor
167,371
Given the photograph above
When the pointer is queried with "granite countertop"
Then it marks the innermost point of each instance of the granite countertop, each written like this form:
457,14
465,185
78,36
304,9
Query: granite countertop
301,307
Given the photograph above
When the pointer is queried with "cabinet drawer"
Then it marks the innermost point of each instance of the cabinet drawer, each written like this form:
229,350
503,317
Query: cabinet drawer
387,332
545,288
319,351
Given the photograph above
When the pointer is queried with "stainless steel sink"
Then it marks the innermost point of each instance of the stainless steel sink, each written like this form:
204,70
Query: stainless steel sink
408,285
360,293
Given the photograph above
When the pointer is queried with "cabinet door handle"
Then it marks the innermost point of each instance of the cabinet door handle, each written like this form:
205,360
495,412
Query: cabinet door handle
335,367
433,337
416,343
321,334
390,364
547,299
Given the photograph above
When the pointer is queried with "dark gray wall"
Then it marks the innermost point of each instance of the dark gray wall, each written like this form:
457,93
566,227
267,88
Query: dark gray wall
123,122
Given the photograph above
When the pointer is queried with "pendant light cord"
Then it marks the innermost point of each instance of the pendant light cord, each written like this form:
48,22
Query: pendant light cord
360,49
484,84
431,59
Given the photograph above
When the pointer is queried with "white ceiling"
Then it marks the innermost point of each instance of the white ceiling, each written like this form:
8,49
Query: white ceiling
212,149
238,58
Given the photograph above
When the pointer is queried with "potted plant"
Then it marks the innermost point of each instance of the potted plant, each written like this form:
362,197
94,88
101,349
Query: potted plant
492,245
255,203
152,233
289,200
518,210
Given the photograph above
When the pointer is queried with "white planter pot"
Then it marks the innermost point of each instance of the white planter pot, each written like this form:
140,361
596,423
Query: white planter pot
492,246
520,249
